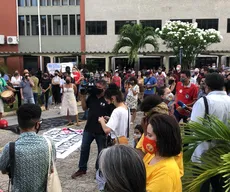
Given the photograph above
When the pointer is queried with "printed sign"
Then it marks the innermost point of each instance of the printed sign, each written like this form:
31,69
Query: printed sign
66,140
51,67
64,65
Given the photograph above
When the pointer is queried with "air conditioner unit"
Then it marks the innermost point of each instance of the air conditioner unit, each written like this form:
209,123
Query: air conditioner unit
12,40
2,39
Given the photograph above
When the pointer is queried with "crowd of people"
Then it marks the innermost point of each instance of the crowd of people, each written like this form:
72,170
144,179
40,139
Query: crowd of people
154,162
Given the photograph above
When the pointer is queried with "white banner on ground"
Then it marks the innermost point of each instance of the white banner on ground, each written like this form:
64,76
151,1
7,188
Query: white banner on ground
66,140
51,67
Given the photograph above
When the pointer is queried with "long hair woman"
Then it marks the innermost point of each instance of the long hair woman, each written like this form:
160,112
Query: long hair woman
122,170
69,103
118,123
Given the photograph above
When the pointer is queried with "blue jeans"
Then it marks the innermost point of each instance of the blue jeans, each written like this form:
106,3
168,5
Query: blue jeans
35,98
28,100
85,148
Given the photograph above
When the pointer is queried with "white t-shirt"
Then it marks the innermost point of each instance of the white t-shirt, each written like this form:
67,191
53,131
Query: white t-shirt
16,81
118,122
136,89
56,79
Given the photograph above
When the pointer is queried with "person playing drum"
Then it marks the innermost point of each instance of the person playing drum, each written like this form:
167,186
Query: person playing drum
3,86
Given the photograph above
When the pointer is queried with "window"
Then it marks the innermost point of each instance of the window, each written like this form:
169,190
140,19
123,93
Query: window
43,24
78,25
34,25
72,2
96,27
33,3
56,2
207,23
228,26
42,2
65,24
49,2
120,24
64,2
72,23
21,3
27,2
56,24
21,20
182,20
28,25
49,25
151,23
78,2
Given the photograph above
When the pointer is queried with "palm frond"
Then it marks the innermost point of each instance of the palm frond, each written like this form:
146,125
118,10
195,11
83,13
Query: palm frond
122,42
135,37
207,129
214,162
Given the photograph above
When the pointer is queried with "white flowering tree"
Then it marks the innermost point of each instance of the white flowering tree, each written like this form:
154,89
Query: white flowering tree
187,40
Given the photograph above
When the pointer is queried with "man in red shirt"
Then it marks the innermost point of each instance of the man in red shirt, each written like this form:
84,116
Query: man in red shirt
77,78
187,93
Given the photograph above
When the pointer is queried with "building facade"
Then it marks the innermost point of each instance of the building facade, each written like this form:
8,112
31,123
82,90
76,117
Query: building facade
61,30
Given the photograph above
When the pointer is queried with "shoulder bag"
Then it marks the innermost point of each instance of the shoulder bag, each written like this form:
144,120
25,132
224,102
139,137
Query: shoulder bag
53,181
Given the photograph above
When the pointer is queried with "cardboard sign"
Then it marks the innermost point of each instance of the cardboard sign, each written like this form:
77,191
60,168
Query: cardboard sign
51,67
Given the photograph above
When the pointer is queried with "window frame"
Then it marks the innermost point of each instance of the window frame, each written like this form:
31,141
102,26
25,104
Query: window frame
120,23
37,28
19,25
156,22
201,23
93,27
54,31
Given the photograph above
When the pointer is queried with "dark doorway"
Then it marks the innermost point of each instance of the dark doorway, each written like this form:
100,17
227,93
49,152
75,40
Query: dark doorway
150,63
46,61
172,63
30,63
205,61
95,64
121,63
68,59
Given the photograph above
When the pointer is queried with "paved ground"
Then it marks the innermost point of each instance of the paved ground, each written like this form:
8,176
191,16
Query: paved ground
66,166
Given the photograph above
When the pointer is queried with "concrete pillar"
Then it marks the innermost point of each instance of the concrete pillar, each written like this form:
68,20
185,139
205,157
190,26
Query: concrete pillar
51,59
166,62
107,64
219,61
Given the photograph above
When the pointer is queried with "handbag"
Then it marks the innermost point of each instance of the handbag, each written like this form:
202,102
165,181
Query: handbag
53,181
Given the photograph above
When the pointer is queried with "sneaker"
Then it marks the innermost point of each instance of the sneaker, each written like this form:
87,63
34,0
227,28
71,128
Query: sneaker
78,174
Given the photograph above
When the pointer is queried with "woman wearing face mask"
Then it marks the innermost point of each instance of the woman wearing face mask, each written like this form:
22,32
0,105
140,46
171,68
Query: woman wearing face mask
16,80
45,86
56,88
118,123
69,103
162,143
138,131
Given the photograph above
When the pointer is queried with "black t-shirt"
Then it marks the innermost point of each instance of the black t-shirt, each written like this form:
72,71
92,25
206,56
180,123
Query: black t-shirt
45,83
98,107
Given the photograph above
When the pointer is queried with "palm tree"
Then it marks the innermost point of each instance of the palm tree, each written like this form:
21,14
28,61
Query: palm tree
213,162
135,37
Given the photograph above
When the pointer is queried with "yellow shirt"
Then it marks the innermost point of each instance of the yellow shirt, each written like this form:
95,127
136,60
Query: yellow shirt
35,87
178,158
164,176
